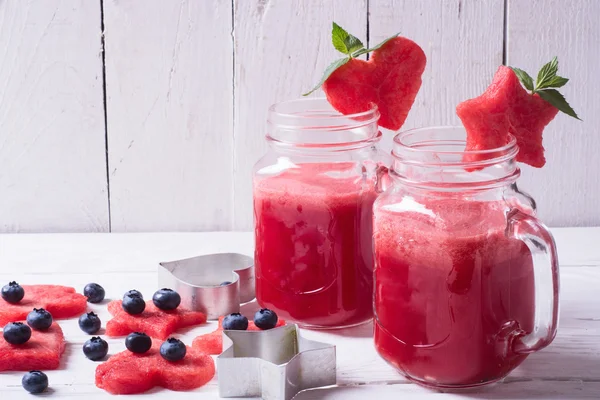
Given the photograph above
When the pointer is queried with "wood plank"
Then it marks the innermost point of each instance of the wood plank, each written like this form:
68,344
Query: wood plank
537,31
463,44
281,51
53,175
169,86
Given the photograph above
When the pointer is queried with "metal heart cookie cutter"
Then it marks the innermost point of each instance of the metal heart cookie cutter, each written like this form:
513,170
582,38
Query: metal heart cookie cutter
202,282
275,364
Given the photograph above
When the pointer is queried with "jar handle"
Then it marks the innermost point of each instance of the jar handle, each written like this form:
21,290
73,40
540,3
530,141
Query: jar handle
540,242
383,178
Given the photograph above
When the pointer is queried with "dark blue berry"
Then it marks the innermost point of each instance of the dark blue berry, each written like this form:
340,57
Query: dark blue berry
90,323
172,350
225,283
16,333
166,299
94,292
133,302
95,349
35,381
13,293
39,319
137,342
265,319
235,322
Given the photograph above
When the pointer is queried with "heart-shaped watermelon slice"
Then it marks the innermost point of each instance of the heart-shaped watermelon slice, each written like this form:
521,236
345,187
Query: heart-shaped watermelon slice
60,301
391,78
506,108
128,373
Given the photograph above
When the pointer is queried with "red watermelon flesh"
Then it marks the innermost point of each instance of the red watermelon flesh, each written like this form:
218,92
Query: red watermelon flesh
391,79
507,108
128,373
41,352
60,301
153,321
212,343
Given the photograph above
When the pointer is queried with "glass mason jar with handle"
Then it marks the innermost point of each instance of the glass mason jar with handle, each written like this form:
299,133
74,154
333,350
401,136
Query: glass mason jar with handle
313,200
466,277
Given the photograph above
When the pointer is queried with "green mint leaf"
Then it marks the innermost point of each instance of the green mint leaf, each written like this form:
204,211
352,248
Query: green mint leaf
557,81
524,77
553,97
547,73
332,67
364,51
353,44
338,38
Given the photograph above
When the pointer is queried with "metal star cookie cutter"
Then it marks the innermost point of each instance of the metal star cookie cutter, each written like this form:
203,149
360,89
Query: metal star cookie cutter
274,364
198,281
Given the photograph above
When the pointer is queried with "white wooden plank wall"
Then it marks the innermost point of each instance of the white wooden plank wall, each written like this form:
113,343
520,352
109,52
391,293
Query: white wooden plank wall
187,85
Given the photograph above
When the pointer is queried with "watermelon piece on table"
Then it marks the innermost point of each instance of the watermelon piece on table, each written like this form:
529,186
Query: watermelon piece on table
60,301
212,343
153,321
391,79
128,373
507,108
41,352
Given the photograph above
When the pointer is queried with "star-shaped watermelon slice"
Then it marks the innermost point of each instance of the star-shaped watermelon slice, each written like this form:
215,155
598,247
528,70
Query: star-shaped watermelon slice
153,321
60,301
41,352
128,373
507,108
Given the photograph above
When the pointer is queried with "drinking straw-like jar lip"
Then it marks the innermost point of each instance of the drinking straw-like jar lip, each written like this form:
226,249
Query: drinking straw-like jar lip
313,122
445,145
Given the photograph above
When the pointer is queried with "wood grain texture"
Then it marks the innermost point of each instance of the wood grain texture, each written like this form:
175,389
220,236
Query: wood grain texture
169,105
281,50
567,188
53,175
462,40
568,369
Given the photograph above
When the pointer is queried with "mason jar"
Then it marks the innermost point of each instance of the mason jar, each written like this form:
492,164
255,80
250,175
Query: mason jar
313,201
466,277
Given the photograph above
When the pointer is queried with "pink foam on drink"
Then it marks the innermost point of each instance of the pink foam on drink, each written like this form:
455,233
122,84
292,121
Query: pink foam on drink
313,254
450,290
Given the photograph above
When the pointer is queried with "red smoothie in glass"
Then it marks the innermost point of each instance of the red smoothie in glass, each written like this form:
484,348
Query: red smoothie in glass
313,257
450,291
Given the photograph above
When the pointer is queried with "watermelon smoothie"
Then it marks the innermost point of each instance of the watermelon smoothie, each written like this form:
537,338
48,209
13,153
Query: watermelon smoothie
313,199
455,283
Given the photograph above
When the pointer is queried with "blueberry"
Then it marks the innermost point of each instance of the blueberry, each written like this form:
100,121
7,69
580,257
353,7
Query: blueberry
13,293
94,292
90,323
137,342
16,333
95,349
35,381
166,299
265,319
133,302
235,322
172,350
225,283
39,319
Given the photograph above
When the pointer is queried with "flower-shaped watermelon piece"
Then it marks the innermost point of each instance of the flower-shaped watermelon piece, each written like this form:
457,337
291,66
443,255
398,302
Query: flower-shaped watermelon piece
128,373
153,321
41,352
60,301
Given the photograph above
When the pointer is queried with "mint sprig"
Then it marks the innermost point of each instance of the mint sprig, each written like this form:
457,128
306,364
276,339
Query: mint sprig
545,86
349,45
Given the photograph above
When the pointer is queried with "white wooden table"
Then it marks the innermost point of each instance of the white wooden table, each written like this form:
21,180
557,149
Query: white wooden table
568,369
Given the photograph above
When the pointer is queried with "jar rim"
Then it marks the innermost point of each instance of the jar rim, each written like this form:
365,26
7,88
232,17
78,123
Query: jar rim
372,112
425,152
